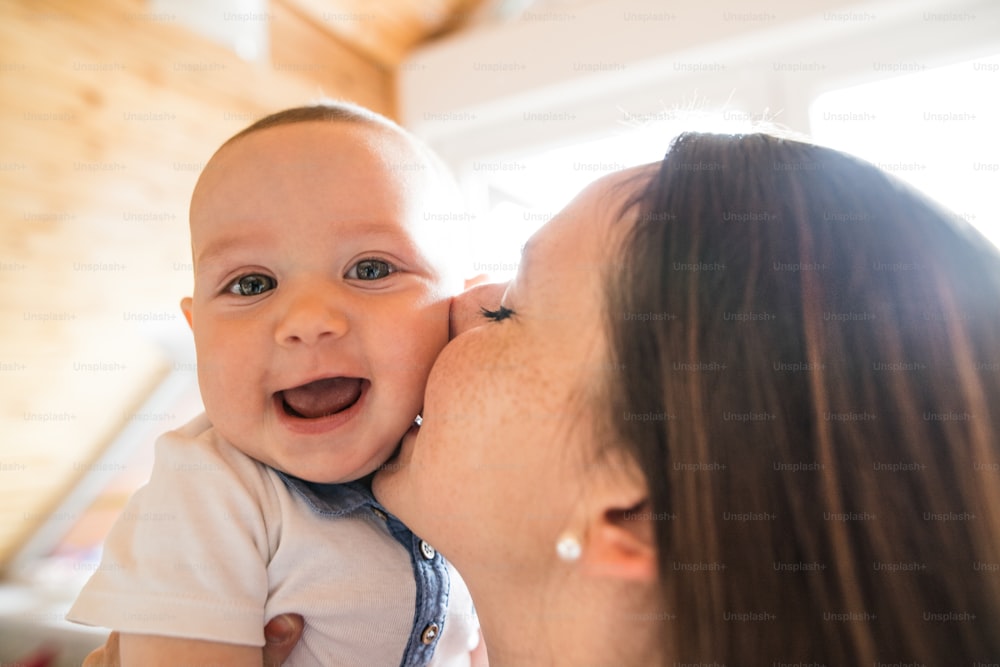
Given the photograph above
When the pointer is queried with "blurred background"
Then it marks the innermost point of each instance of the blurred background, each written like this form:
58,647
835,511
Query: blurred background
110,108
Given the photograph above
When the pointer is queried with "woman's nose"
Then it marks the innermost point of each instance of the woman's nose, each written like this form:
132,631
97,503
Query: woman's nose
466,308
310,315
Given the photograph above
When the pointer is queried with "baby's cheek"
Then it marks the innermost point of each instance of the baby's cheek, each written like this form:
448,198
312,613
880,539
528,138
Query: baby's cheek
429,336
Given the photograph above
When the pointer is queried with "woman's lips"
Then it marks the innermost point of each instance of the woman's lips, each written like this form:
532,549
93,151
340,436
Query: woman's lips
321,398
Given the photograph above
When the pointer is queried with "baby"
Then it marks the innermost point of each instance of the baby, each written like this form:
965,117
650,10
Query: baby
323,276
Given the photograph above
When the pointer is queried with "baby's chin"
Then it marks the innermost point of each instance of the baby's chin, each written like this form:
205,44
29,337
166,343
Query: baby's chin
337,473
401,457
324,474
403,450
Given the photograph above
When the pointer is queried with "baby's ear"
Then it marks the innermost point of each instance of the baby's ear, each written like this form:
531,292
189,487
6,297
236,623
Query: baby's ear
186,309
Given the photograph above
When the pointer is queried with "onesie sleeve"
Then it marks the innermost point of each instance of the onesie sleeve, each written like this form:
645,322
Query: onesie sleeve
188,556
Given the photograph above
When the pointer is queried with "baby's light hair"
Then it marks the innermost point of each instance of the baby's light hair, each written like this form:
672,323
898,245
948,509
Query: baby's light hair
446,204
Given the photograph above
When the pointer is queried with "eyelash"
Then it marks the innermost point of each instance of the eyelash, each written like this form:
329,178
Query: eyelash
501,313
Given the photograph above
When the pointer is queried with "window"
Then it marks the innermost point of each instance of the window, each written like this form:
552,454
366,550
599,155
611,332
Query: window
936,129
518,194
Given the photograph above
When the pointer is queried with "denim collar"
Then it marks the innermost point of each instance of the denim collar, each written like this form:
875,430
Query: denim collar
334,500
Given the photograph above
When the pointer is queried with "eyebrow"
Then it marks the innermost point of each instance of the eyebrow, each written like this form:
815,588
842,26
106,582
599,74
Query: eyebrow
388,231
218,248
526,259
525,252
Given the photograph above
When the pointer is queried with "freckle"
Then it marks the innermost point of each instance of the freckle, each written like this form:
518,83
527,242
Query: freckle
92,97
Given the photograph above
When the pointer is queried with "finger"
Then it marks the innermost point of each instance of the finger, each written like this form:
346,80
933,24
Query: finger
281,634
105,656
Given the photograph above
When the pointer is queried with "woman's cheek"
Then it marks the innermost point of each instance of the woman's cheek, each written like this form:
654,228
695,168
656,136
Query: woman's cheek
454,401
456,370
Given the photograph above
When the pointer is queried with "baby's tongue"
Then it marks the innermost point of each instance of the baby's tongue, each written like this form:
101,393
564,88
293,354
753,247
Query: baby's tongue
322,397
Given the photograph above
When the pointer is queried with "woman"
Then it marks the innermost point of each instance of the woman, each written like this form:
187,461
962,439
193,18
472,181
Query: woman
738,407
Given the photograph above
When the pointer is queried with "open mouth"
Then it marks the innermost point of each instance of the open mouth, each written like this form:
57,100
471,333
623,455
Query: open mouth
322,398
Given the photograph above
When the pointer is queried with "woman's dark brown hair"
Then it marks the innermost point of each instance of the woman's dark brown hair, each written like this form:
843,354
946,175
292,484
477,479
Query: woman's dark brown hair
809,359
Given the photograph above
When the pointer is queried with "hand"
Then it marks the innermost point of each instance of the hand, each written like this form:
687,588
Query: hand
105,656
282,633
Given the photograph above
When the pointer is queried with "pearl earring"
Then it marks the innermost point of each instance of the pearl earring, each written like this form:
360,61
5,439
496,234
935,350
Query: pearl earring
568,548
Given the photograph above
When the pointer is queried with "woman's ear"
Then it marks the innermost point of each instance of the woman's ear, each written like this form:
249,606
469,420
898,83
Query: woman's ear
621,544
620,536
186,309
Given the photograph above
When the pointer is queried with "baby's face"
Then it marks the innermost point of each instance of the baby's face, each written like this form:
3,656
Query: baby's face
319,302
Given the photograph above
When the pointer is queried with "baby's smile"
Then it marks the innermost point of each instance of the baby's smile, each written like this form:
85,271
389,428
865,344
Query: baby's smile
322,398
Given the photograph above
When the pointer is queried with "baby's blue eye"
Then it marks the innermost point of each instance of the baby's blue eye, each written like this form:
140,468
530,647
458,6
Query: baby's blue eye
252,285
371,269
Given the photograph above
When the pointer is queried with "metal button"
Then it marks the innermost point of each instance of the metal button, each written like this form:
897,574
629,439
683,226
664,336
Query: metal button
427,550
380,514
429,634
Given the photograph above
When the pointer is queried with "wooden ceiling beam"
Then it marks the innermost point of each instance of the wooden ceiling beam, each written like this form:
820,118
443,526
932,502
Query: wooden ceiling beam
386,31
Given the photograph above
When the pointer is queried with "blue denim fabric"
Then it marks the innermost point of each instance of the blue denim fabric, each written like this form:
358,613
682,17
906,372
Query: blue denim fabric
430,574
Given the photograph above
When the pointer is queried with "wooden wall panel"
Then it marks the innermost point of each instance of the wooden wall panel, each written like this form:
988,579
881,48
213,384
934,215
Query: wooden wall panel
300,46
107,114
387,30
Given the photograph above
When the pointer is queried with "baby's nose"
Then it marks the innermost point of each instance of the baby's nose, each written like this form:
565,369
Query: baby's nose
466,308
310,316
